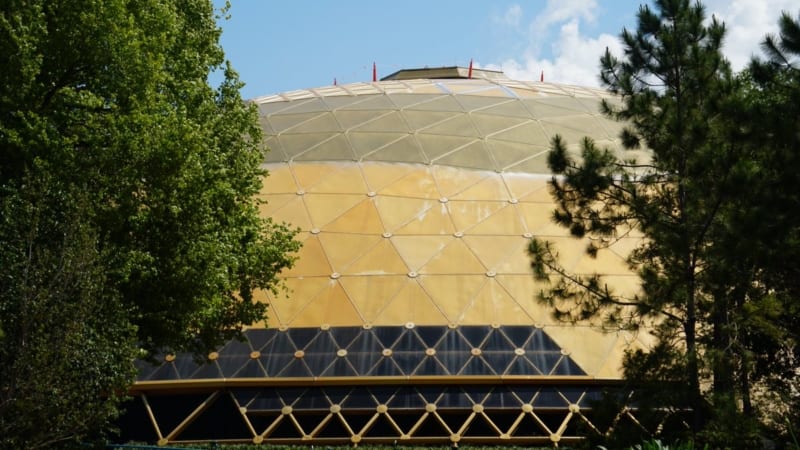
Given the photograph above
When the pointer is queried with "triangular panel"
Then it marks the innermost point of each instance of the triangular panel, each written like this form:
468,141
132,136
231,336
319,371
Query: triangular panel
294,213
334,149
489,188
505,221
352,119
476,366
411,304
365,143
331,307
513,108
344,248
526,133
362,218
523,185
379,175
303,106
311,260
421,119
509,154
273,150
278,181
282,122
323,122
479,102
295,144
475,155
452,181
435,220
568,250
273,202
572,129
435,146
493,304
369,102
403,150
455,258
390,122
589,348
452,293
346,180
524,289
440,103
404,100
468,214
534,165
418,183
459,125
324,209
416,251
337,102
493,250
537,216
380,259
544,107
309,174
301,292
430,366
397,211
488,124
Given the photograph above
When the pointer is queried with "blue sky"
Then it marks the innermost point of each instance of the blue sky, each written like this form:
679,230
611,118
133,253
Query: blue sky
282,45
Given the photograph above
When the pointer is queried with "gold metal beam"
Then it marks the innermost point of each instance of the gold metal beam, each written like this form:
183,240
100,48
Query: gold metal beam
193,415
225,383
152,417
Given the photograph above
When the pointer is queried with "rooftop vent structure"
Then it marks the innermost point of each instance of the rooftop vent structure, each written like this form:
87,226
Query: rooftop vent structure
453,72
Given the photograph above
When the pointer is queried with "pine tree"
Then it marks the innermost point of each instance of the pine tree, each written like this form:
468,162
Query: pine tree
773,213
675,86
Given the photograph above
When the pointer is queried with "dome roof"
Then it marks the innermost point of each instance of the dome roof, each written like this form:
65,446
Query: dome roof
493,124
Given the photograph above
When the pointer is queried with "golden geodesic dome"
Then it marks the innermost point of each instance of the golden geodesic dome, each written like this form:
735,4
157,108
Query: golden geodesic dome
411,314
417,198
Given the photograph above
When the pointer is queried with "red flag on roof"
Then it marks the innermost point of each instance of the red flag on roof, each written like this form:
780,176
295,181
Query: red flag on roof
374,72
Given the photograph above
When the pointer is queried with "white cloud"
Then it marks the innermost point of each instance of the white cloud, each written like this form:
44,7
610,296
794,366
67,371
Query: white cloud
512,16
557,11
576,59
573,56
747,23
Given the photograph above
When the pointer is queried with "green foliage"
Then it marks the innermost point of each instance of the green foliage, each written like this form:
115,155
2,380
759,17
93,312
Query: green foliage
111,97
66,355
717,205
773,332
129,220
656,444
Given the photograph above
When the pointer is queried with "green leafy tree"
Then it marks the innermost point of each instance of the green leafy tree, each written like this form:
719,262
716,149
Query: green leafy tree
108,124
68,342
112,98
678,97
